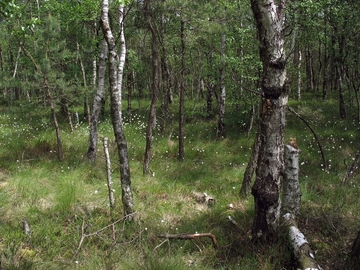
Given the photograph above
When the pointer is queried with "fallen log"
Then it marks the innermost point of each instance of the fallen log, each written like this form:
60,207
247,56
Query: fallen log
302,250
190,236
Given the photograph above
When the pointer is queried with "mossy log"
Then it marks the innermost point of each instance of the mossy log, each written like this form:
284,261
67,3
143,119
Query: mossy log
302,250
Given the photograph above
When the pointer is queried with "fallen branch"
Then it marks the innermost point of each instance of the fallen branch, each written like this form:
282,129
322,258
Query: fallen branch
190,236
83,235
302,250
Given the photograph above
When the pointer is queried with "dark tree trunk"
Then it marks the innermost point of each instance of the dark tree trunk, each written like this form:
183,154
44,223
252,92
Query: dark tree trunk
181,154
269,18
250,168
355,252
154,89
221,122
309,70
56,124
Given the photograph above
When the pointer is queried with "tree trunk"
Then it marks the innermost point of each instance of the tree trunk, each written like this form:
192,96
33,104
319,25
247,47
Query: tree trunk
299,76
154,89
291,187
342,108
221,122
116,119
250,168
97,103
108,175
269,18
181,154
56,124
309,70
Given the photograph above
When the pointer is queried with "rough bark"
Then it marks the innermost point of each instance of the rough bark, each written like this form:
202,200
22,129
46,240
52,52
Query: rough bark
117,124
221,122
291,187
269,16
250,168
97,103
301,248
154,89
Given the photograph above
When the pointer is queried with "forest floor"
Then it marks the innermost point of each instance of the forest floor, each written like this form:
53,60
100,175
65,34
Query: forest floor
66,203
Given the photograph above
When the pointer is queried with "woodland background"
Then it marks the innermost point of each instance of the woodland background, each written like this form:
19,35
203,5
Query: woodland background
204,48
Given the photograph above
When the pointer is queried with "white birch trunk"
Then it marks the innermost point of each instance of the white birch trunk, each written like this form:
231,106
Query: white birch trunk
108,174
122,54
269,16
291,187
97,103
125,179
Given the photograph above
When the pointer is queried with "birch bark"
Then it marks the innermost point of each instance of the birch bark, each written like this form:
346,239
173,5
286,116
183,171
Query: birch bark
115,106
97,103
269,16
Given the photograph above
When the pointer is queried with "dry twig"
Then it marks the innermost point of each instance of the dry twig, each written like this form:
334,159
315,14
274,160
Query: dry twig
190,236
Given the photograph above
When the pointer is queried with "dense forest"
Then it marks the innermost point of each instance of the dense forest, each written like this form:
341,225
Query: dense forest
179,134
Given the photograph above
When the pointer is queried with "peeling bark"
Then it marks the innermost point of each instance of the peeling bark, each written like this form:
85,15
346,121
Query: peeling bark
291,187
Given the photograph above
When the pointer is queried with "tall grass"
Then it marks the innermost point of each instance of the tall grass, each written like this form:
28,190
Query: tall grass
67,201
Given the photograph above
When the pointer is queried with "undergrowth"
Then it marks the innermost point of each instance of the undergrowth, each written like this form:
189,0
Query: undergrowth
66,203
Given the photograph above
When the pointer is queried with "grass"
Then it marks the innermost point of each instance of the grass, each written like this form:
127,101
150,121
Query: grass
65,201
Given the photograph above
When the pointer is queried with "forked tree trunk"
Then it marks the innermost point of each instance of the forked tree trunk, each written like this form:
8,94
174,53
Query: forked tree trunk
115,106
154,89
269,16
97,103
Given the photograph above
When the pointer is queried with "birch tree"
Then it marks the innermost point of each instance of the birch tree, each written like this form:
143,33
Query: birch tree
116,65
97,103
269,17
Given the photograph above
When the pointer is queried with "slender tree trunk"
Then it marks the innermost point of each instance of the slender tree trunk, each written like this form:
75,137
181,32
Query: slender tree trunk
181,153
299,76
221,122
116,119
342,108
97,103
250,168
209,99
269,18
56,124
309,70
108,175
154,89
